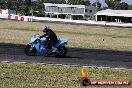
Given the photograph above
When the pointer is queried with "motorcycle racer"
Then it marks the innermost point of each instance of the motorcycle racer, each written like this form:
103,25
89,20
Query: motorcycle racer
51,38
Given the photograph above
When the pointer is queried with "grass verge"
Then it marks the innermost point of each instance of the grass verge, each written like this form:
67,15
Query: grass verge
82,36
43,76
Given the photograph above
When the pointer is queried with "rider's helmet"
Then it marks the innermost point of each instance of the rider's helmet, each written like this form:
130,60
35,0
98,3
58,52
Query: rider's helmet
45,28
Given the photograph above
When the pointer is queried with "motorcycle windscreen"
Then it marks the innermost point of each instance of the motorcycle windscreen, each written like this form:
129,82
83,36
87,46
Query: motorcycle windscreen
42,39
33,39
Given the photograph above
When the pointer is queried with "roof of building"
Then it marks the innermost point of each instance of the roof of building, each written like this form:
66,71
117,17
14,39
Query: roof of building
109,12
66,5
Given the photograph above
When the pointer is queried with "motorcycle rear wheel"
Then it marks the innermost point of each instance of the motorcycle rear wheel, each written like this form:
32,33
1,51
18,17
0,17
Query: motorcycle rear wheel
60,52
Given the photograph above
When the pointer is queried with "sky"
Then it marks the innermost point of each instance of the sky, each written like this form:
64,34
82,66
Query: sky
103,1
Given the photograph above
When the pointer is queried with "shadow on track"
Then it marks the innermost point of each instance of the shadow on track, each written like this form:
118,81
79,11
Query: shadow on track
80,56
81,50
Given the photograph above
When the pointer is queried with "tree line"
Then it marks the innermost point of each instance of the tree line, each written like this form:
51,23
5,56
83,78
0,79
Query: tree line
118,5
27,7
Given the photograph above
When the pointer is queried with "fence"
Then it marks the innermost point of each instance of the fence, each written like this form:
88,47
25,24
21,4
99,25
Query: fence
41,19
16,17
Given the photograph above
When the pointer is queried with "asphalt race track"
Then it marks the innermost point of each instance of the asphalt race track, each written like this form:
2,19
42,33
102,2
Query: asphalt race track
75,56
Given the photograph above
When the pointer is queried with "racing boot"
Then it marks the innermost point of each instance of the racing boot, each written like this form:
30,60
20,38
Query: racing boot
54,49
48,51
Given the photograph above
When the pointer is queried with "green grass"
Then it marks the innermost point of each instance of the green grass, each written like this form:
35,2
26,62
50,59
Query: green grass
80,36
43,76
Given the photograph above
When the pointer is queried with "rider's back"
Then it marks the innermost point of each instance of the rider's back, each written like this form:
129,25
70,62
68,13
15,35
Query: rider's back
51,35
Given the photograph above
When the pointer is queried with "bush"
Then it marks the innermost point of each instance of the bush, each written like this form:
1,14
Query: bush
47,15
62,16
39,14
54,16
77,17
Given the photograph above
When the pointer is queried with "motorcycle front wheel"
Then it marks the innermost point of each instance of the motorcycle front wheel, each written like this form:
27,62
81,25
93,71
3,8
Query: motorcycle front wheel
29,50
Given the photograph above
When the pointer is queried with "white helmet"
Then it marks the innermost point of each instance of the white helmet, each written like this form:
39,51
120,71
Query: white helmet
45,28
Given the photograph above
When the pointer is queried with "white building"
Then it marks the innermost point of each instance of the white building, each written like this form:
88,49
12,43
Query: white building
7,11
124,16
69,10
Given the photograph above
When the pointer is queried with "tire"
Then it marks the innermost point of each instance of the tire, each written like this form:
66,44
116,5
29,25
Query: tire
30,51
84,82
61,52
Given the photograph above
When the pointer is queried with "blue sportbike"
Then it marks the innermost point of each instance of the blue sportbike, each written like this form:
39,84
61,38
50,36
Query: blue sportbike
37,47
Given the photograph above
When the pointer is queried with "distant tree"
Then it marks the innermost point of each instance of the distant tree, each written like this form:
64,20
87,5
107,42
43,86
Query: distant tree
79,2
124,6
74,2
38,9
4,4
117,0
28,2
104,7
112,3
130,7
11,4
23,8
85,2
116,6
97,4
109,3
54,1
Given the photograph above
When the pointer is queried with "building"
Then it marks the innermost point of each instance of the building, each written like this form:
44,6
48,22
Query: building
7,11
122,16
69,10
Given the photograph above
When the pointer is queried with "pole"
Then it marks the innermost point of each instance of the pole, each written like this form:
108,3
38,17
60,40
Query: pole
32,13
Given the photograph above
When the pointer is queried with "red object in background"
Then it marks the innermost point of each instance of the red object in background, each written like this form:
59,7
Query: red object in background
22,18
0,10
28,19
9,17
16,17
